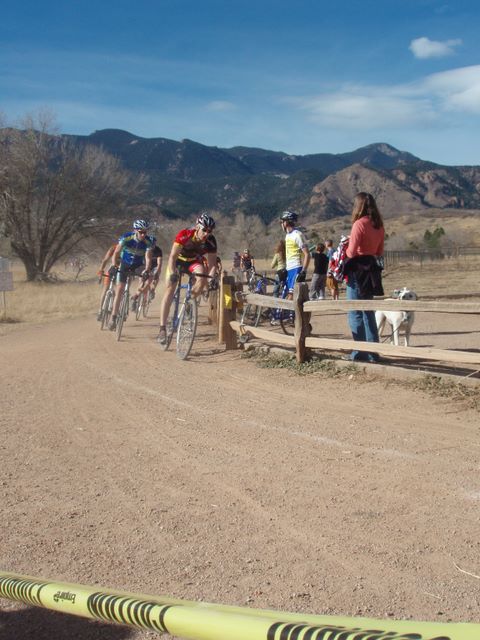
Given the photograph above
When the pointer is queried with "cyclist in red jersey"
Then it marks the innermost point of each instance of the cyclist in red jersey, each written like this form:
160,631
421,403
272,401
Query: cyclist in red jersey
193,251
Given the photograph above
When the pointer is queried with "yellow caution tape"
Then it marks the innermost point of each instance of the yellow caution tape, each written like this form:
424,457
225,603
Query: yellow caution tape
206,621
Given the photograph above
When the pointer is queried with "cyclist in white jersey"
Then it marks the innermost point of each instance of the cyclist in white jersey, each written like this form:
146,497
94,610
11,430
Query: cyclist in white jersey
296,250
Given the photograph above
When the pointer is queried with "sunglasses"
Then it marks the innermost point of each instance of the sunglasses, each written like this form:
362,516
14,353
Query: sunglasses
142,233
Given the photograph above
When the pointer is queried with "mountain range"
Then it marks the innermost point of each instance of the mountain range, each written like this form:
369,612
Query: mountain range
187,176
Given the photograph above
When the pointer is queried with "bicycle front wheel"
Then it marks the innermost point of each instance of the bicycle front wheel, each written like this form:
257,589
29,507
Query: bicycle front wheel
107,307
171,322
187,327
145,305
122,316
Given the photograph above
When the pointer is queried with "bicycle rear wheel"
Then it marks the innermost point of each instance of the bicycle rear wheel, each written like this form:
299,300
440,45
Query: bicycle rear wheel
187,327
122,315
287,321
107,307
251,315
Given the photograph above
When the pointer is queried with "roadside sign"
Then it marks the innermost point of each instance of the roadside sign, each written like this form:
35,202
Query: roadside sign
6,281
4,264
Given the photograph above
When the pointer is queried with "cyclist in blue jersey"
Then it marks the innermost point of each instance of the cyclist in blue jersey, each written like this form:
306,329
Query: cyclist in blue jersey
133,250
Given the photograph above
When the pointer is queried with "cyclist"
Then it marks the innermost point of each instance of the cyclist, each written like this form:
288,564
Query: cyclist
133,248
247,263
189,249
106,277
148,285
296,250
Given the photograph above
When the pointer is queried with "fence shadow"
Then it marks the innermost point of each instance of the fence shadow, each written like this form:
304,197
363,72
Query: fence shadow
34,623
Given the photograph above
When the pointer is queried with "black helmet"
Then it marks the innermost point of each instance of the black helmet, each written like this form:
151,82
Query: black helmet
289,216
206,221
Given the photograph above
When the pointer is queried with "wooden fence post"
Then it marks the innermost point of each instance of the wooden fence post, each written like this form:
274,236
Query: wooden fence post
227,312
302,321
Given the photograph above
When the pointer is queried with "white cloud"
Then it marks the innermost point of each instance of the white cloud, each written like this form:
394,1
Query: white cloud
425,48
428,102
457,89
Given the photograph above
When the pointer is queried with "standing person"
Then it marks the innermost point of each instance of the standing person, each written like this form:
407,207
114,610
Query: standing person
279,263
297,254
133,248
329,248
363,273
193,251
106,277
320,261
236,268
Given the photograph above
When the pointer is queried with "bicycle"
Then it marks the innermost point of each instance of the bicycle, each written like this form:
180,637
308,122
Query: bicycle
183,316
252,313
107,302
284,317
143,304
124,307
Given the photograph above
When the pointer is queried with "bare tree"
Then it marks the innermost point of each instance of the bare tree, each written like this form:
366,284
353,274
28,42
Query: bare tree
54,195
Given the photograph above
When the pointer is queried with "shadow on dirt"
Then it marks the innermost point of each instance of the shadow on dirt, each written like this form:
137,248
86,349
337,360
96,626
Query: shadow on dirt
41,624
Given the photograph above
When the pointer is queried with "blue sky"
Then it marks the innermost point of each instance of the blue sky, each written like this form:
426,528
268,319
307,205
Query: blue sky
303,76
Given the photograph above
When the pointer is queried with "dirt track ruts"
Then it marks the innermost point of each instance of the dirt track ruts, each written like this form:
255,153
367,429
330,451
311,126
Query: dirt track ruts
215,480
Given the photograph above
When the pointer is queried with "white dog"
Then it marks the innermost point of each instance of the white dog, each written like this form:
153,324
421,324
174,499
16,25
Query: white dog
397,319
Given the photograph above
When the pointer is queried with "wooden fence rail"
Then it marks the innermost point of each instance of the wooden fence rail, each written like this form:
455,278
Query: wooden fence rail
302,340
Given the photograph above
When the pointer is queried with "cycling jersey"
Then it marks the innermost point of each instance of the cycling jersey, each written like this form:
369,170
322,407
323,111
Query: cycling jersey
192,247
133,250
294,243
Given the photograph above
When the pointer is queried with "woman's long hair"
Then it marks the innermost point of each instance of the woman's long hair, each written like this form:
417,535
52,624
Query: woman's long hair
280,249
364,205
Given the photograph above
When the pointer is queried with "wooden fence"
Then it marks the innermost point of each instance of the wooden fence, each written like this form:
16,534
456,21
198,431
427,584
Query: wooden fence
303,340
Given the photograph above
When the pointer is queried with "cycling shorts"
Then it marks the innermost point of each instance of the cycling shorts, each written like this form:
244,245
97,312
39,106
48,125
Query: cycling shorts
292,277
187,266
125,270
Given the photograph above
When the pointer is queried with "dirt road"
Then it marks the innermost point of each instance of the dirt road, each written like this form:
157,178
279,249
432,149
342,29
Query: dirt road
214,480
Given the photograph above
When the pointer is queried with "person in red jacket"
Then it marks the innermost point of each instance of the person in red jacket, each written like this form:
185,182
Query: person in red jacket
362,269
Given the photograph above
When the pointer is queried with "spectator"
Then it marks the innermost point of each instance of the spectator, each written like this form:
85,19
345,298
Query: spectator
329,248
362,270
320,261
236,269
279,263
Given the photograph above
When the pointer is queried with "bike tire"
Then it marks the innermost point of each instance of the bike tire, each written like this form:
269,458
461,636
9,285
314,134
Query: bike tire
287,321
107,307
146,306
138,310
251,315
122,316
171,321
187,327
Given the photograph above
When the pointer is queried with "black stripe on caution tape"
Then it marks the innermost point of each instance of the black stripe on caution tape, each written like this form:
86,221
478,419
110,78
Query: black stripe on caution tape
292,631
28,591
124,610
